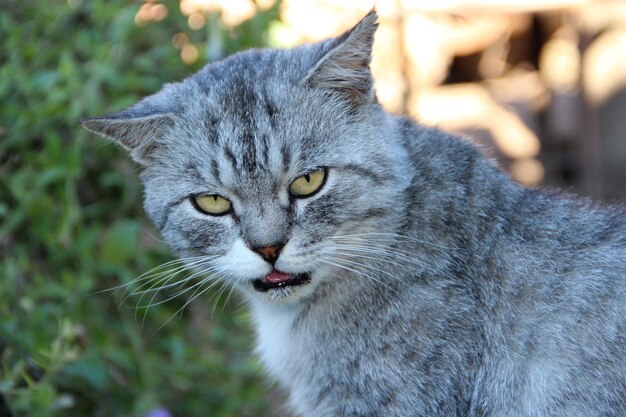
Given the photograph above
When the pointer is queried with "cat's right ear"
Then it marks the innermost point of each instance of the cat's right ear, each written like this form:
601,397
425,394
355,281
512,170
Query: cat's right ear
344,67
137,131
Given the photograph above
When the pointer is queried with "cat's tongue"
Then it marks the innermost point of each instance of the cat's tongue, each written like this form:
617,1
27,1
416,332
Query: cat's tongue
277,276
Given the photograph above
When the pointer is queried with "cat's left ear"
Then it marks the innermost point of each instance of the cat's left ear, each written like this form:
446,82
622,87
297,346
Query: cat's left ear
139,129
345,67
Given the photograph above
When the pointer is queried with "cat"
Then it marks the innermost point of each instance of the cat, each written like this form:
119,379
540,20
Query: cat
390,268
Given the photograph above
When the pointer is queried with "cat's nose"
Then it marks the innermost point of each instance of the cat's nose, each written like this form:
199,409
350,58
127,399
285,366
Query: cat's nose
269,253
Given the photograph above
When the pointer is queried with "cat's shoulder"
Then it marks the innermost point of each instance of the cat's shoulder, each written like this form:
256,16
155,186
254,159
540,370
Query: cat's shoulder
436,144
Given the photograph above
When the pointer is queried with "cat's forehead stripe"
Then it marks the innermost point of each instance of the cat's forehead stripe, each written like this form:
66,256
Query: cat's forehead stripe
230,156
247,128
215,171
192,170
361,170
265,152
271,111
248,140
285,151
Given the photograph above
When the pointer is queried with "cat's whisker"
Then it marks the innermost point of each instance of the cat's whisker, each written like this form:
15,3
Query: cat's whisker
411,263
196,274
385,256
218,296
336,262
198,292
376,250
392,235
222,279
385,253
362,241
372,258
140,277
181,282
161,271
168,264
370,267
157,273
178,294
157,283
230,293
154,287
161,283
411,259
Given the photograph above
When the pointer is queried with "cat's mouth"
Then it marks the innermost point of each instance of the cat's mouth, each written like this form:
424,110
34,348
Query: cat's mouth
278,279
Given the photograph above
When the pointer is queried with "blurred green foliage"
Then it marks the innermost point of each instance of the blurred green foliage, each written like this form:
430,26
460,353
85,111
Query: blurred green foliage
71,226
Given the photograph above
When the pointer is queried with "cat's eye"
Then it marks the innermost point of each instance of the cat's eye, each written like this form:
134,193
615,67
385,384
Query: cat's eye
308,184
212,204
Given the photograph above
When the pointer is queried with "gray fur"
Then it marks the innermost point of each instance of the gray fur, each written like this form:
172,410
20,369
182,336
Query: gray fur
438,286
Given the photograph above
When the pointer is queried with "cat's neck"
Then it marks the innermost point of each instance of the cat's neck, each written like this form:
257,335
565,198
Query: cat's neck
273,326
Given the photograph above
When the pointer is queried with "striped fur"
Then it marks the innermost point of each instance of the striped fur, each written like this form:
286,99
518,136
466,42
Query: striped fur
438,286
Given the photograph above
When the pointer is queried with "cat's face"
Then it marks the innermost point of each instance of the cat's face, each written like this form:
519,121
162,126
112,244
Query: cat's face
281,169
260,172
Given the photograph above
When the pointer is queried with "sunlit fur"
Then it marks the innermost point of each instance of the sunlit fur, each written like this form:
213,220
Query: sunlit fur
438,286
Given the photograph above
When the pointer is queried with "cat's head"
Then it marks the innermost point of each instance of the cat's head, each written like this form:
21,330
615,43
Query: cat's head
259,166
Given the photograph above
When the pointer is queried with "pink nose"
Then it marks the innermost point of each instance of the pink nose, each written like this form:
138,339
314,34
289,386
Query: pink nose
269,253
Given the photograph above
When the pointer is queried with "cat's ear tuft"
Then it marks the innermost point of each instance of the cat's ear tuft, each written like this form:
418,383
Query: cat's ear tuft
345,66
139,134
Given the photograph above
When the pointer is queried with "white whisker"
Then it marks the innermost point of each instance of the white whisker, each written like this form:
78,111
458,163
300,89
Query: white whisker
373,268
146,275
217,297
336,262
196,274
164,276
197,293
387,255
395,236
162,284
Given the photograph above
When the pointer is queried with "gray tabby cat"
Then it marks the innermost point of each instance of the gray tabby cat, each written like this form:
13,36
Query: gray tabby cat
391,269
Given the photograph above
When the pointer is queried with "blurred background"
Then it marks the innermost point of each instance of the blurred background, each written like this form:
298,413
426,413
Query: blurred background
540,84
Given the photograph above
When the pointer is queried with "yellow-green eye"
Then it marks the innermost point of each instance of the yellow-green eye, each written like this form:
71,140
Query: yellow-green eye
308,184
212,204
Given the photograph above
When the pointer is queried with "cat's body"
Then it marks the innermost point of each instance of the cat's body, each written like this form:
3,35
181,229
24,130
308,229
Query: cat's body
522,313
415,279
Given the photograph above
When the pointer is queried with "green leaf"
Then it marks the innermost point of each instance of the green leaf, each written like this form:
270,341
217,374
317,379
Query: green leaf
119,244
89,373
